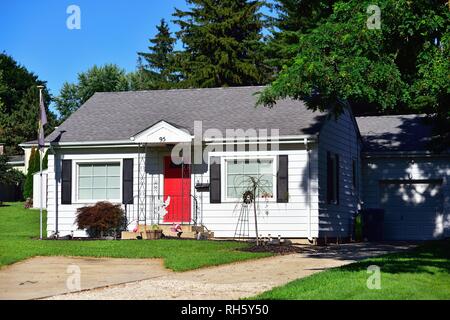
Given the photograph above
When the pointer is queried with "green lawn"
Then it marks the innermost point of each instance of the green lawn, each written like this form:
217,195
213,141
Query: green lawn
18,226
423,273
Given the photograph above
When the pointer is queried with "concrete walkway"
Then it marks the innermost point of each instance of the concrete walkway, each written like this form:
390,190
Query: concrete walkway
40,277
147,278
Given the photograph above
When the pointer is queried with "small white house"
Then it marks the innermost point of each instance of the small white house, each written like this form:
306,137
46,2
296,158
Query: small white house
188,156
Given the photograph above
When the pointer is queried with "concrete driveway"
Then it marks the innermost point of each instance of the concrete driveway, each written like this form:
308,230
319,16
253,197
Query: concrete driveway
47,277
40,277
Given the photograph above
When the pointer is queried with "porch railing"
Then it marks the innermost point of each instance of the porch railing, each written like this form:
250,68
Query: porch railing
158,209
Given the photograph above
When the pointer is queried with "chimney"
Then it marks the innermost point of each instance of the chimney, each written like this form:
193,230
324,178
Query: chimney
2,149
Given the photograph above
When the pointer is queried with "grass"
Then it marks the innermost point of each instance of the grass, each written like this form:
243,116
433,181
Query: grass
420,274
19,229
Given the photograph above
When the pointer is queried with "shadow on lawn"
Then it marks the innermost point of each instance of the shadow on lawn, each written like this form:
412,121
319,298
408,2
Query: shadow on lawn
422,259
356,251
399,257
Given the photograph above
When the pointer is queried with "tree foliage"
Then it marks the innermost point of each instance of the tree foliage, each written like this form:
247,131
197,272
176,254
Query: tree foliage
159,71
106,78
341,60
293,18
222,43
402,66
19,105
8,175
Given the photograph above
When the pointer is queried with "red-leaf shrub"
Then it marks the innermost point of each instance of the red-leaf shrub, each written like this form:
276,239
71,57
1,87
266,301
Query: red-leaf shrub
101,219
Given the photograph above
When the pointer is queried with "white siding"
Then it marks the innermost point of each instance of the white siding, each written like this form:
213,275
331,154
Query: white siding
340,137
376,169
65,214
298,218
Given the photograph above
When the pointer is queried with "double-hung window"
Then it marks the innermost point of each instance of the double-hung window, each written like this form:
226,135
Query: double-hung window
99,181
241,175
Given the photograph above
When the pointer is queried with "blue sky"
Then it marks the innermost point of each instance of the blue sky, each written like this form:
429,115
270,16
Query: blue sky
112,31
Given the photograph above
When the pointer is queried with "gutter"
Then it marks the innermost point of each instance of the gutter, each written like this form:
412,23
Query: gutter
130,143
12,163
404,154
301,138
82,144
308,159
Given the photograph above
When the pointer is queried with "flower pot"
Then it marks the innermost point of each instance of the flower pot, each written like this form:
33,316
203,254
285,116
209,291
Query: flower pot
152,234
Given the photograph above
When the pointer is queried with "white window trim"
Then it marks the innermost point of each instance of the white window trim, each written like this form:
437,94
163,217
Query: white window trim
75,175
224,175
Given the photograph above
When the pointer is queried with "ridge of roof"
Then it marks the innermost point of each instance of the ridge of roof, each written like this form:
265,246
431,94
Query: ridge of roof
179,90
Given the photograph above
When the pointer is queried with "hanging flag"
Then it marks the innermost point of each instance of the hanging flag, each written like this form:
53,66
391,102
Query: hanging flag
42,120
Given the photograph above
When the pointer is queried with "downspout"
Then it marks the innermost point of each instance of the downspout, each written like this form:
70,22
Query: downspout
56,173
308,160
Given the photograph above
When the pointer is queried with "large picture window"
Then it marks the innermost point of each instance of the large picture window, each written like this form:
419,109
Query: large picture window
240,171
99,181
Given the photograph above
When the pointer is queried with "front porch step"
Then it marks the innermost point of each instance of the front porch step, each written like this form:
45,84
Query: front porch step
167,228
189,231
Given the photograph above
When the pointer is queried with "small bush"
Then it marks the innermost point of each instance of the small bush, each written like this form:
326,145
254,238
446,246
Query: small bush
101,219
33,167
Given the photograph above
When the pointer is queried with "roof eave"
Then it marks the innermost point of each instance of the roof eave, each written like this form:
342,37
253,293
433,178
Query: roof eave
396,154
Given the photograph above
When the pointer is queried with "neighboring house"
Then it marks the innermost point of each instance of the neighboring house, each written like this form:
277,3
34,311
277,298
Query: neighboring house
117,147
17,163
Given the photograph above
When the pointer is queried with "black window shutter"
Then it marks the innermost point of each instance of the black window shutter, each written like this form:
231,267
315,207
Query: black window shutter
214,181
282,179
329,178
127,181
66,182
337,179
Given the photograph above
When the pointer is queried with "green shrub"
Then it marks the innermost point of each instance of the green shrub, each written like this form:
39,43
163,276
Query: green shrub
101,219
8,175
11,181
33,167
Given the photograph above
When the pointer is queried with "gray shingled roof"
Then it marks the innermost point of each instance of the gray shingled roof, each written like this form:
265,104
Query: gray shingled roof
120,115
395,133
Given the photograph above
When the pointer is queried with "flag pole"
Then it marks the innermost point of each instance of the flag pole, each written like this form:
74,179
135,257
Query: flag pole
40,177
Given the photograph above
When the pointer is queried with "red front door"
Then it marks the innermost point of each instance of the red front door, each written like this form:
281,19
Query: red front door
177,186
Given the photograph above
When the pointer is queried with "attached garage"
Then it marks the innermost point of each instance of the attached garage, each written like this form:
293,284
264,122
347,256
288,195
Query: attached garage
401,175
413,209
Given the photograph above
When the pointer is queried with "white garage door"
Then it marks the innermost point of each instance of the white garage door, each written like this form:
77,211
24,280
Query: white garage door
413,210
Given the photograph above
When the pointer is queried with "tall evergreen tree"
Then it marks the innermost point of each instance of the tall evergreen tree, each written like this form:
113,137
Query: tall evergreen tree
222,41
293,18
159,70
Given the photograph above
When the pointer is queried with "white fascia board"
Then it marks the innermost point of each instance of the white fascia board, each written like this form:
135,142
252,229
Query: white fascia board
16,163
80,143
296,138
